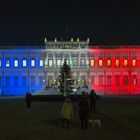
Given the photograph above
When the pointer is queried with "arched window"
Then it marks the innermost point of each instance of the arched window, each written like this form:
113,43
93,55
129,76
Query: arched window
40,80
100,80
108,80
16,81
24,81
125,80
117,80
0,81
32,80
134,80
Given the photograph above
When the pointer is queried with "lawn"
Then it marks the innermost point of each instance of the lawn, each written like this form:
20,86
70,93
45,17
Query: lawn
124,110
43,122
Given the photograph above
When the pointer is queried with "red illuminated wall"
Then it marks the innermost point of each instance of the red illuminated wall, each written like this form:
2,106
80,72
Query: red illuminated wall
121,79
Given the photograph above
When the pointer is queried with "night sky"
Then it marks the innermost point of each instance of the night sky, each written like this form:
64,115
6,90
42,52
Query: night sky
27,22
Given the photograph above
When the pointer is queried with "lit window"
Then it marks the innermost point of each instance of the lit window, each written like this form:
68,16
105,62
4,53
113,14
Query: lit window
100,62
75,62
24,63
134,62
82,62
109,62
15,63
7,63
50,62
0,63
117,62
83,82
32,63
125,62
58,62
92,63
67,61
41,63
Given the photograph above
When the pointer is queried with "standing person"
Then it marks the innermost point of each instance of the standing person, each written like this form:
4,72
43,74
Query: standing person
28,99
83,110
92,99
67,112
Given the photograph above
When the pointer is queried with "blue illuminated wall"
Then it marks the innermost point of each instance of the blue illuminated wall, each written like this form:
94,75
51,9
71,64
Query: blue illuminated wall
20,79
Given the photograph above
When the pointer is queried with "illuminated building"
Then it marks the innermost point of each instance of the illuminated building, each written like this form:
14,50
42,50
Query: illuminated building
108,70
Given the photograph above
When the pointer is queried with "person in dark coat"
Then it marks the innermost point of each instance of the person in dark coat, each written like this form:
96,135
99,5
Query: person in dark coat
92,99
83,110
28,99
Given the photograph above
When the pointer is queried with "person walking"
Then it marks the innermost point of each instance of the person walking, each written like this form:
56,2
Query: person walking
83,110
28,99
67,112
92,99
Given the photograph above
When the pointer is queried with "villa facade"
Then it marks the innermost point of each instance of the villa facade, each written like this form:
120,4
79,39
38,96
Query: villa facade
107,69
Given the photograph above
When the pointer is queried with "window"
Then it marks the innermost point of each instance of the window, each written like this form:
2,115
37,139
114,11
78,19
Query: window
0,63
100,63
32,81
82,62
67,61
125,80
7,81
41,81
0,81
134,80
32,63
24,81
83,82
7,63
41,63
58,62
16,81
92,80
117,79
92,63
108,62
75,62
134,62
125,62
15,63
108,80
24,63
100,80
50,83
50,62
117,62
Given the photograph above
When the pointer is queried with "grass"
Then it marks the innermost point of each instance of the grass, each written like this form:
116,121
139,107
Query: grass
43,121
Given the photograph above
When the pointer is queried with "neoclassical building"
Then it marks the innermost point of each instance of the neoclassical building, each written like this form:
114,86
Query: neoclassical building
107,69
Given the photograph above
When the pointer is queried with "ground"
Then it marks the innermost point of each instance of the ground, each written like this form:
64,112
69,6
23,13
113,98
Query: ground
119,116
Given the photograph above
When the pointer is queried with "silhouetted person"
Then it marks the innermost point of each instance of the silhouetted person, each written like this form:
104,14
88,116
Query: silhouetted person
67,112
28,98
92,99
83,110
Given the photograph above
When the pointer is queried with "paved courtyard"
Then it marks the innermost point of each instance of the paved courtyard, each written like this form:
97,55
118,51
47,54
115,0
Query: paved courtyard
43,122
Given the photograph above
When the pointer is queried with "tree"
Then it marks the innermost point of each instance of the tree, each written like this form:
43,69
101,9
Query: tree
65,79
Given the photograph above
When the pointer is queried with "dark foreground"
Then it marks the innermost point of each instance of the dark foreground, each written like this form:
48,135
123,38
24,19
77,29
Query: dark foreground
119,116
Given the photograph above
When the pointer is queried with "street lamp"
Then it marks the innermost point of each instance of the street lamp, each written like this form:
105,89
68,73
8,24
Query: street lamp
65,94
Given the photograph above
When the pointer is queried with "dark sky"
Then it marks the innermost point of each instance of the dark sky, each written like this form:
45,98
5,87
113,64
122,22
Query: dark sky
27,22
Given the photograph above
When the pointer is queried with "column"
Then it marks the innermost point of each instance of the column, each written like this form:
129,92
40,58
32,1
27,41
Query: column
87,60
70,58
79,57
